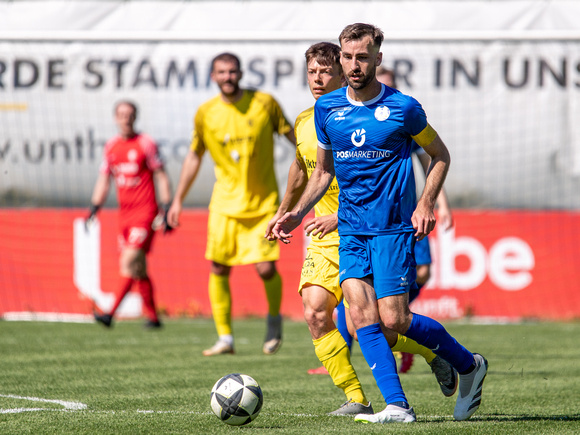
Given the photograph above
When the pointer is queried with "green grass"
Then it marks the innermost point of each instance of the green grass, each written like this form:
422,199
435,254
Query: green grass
135,381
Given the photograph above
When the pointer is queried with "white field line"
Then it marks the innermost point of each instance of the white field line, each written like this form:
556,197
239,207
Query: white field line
28,316
65,404
69,406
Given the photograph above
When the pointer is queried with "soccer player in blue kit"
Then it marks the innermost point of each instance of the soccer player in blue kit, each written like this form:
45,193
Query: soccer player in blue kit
365,131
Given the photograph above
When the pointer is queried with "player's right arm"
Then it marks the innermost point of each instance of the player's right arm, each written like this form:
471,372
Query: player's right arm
317,186
297,180
189,172
99,196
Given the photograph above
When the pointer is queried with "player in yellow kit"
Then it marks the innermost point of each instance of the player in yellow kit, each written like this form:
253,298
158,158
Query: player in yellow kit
319,284
237,127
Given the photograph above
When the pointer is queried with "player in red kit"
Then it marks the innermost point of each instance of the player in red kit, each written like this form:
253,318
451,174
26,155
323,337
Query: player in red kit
133,160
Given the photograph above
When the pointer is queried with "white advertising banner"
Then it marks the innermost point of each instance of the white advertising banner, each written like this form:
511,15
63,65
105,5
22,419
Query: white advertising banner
500,82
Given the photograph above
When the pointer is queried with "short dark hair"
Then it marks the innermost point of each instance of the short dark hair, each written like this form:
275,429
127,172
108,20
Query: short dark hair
228,57
326,53
128,103
356,31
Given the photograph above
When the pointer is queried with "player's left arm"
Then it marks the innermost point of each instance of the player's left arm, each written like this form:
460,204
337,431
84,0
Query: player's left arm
423,218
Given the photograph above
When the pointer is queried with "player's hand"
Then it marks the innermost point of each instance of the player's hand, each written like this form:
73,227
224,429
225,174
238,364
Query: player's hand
285,225
172,215
269,235
423,220
166,227
445,218
321,226
93,210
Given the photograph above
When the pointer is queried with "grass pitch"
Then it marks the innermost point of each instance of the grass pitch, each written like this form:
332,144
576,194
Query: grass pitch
82,378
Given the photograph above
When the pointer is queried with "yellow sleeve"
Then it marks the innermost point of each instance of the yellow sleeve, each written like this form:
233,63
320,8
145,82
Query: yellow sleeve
281,124
197,145
298,127
426,136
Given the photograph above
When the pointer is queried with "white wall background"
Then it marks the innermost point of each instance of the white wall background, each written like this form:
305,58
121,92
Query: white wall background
500,81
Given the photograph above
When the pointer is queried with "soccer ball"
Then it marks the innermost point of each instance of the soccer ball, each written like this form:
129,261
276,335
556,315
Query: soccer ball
236,399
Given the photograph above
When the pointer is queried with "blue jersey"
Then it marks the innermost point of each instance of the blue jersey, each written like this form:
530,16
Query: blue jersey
371,147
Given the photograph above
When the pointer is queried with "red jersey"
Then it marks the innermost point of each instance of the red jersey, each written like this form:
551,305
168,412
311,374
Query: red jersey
132,162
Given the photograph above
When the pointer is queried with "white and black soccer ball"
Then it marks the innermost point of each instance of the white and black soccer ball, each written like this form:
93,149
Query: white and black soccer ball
236,399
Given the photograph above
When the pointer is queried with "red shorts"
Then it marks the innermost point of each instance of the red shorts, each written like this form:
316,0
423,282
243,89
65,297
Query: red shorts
136,235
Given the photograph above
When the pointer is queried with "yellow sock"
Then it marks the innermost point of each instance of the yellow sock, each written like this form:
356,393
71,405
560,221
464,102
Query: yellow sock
273,288
333,353
221,303
405,344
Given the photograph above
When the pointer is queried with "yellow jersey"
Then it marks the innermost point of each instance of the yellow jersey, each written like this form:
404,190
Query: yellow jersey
240,138
306,150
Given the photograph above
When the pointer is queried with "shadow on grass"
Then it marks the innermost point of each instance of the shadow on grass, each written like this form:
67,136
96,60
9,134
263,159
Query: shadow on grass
508,417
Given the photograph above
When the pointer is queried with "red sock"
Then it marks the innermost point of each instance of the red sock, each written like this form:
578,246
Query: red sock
125,286
146,289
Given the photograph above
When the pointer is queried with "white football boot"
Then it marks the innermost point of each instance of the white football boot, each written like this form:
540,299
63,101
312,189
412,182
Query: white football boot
391,414
470,389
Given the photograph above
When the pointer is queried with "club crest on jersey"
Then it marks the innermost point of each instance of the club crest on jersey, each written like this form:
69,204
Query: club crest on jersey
382,113
358,137
132,155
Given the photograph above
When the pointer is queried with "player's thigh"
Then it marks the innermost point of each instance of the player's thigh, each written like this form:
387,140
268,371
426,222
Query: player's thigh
423,273
394,312
320,268
317,299
319,305
132,262
393,263
134,243
362,301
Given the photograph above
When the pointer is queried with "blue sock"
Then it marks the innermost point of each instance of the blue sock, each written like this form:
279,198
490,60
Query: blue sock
379,357
341,324
432,335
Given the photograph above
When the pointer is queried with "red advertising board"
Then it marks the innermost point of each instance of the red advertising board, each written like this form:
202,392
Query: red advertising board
503,265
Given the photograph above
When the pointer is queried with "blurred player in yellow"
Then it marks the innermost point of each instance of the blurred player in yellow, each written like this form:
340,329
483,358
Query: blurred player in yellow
319,284
237,127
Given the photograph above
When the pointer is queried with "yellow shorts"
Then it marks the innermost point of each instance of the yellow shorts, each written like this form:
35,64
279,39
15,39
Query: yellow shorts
236,241
321,268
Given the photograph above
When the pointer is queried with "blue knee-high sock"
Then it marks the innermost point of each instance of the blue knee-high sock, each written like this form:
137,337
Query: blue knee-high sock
432,334
341,324
380,359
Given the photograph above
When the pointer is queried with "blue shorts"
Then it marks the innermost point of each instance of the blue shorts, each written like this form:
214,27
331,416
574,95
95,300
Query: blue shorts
422,251
387,259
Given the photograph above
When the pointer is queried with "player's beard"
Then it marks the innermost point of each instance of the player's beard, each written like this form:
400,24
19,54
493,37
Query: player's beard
228,93
361,84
